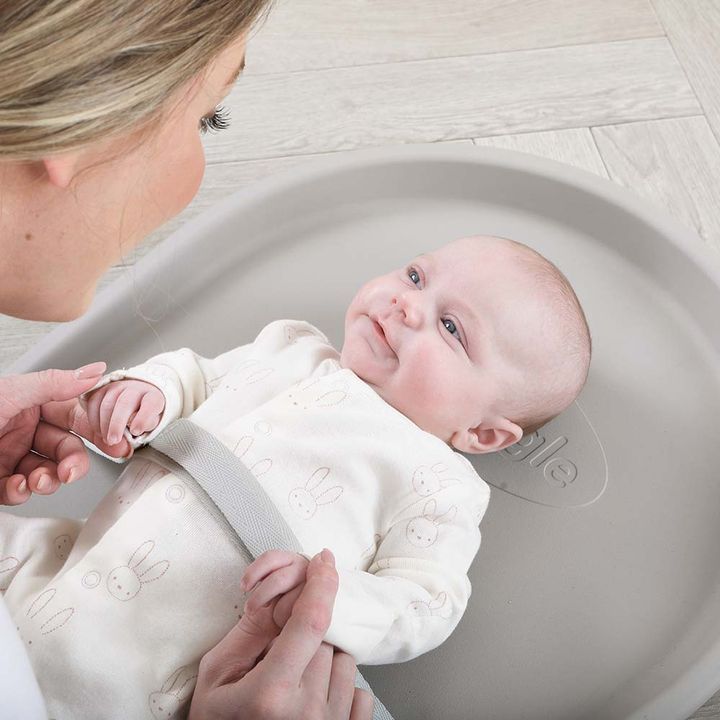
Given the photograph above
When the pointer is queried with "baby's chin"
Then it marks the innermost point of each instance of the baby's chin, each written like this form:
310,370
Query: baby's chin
366,371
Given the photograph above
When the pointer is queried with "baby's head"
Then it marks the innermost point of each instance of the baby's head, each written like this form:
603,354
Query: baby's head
478,343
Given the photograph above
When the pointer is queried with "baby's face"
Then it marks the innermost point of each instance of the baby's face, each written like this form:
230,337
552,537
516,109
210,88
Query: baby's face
442,338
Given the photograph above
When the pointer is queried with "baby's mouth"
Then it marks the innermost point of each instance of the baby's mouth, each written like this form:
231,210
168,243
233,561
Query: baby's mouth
380,332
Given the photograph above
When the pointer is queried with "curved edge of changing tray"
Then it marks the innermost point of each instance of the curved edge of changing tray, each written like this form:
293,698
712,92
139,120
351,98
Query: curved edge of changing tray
180,242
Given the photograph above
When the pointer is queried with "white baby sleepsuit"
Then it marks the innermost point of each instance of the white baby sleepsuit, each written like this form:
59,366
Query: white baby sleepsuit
117,611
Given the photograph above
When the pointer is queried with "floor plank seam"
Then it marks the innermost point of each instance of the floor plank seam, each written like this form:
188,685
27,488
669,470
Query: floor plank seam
249,73
689,81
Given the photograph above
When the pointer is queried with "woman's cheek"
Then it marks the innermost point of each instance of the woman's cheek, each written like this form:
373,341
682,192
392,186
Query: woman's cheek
188,177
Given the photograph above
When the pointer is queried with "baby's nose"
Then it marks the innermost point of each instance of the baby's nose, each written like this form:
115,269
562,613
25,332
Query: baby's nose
410,308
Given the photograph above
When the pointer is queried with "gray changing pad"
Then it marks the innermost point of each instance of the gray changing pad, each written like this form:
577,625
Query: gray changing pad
596,594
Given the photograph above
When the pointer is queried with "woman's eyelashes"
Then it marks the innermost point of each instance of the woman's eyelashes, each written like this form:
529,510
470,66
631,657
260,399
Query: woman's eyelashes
218,120
448,324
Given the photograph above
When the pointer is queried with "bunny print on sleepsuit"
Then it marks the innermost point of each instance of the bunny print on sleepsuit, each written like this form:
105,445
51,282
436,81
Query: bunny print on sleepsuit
395,504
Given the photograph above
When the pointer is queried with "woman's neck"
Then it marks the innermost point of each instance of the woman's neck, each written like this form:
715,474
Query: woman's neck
37,252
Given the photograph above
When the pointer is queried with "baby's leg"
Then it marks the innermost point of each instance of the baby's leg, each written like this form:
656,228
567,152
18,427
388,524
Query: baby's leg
152,583
32,550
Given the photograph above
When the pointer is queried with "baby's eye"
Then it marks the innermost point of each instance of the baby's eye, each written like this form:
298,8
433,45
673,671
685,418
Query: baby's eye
414,275
451,328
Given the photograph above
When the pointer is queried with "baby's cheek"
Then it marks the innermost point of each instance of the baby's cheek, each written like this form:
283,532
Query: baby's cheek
428,397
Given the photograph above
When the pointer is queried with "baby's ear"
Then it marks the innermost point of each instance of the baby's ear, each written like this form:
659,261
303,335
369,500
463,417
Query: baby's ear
487,437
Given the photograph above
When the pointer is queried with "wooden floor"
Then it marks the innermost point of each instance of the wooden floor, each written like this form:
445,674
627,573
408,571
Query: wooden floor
627,89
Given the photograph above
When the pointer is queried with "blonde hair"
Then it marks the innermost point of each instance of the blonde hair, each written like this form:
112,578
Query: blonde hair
76,71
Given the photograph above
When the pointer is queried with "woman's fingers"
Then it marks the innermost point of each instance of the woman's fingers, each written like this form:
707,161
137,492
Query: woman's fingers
40,472
341,685
14,490
362,706
238,652
21,392
304,631
65,449
316,678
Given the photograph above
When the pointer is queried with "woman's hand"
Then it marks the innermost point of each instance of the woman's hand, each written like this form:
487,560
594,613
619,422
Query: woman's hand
299,678
37,451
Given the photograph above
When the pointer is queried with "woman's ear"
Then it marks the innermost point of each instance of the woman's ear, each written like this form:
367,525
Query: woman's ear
487,437
61,169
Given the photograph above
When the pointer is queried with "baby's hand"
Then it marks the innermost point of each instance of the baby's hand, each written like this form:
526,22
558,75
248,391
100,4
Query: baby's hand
134,404
272,574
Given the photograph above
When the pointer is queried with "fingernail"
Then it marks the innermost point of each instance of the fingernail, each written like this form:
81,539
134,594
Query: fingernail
113,439
89,371
22,487
43,483
327,557
74,472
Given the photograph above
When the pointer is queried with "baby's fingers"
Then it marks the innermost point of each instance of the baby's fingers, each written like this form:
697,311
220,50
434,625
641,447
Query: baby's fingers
277,583
125,405
148,416
263,565
106,409
284,606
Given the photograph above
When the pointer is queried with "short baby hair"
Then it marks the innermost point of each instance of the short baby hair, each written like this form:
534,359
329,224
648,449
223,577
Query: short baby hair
546,395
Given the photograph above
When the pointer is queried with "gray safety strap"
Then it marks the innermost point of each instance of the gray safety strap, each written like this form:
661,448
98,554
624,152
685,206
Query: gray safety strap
238,495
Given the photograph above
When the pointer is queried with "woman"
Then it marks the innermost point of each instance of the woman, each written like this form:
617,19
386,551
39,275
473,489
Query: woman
101,108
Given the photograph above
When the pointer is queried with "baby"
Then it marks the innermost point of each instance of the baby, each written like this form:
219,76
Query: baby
465,349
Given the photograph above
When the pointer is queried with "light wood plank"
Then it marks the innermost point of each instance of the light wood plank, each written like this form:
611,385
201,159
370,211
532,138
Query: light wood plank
693,29
308,34
574,147
453,98
17,337
710,710
674,164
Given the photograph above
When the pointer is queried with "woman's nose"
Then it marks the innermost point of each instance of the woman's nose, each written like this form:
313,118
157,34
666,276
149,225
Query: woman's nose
410,308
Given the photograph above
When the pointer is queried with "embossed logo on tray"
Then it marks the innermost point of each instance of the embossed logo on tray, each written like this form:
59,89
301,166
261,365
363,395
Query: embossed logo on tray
561,465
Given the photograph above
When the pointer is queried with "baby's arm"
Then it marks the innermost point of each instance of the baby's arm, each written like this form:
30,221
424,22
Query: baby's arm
413,595
187,379
148,397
